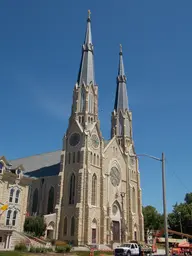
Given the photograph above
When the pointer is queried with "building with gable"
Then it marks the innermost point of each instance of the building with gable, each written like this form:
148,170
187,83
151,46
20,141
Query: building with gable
14,188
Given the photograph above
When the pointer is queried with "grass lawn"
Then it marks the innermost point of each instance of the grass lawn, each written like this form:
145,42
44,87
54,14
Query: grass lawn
50,254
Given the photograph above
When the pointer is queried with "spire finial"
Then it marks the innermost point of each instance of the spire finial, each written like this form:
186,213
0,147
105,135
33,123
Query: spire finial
121,50
89,15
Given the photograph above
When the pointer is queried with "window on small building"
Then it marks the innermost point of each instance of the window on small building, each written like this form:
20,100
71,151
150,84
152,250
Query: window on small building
94,190
17,196
72,226
65,227
1,167
35,201
11,195
50,205
72,189
14,218
8,218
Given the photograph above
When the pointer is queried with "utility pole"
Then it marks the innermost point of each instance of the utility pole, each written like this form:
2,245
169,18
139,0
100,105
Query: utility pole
162,160
181,229
165,206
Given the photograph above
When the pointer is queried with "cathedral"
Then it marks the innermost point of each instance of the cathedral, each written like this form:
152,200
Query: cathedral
89,191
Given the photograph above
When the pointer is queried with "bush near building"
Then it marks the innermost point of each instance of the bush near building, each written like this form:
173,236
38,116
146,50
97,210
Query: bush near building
35,225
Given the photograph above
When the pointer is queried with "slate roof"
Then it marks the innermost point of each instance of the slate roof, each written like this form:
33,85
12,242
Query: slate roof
46,164
121,97
86,72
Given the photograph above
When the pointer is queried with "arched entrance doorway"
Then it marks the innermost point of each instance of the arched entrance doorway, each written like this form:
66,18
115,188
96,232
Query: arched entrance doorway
94,231
116,222
50,230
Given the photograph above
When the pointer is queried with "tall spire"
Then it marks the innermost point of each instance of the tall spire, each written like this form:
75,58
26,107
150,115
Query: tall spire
86,71
121,98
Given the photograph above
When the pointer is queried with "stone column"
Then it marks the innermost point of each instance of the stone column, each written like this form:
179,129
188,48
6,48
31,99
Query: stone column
7,242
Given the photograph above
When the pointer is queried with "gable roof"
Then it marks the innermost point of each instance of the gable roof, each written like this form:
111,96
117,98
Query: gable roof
46,164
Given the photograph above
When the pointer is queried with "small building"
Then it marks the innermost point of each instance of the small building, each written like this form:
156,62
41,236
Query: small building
13,202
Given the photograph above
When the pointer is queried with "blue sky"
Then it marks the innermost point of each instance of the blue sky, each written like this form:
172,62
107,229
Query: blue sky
40,50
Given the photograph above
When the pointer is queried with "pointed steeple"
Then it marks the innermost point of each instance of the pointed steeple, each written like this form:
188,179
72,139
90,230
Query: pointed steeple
86,71
121,122
121,98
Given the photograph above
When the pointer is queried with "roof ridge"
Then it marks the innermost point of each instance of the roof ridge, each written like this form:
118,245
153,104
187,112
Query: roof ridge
35,155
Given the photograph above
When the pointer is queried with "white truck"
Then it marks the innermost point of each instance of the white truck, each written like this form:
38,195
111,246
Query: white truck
128,249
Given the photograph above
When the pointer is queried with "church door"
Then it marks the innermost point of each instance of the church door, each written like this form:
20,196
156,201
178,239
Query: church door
93,235
116,231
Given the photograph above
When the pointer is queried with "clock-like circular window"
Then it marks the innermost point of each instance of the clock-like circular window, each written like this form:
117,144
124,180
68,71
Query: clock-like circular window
95,141
74,139
115,176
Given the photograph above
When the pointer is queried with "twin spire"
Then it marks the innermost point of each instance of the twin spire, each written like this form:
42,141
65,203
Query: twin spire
87,73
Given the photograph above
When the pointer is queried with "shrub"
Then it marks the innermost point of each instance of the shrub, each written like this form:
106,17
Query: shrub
32,249
68,248
37,249
60,249
21,247
35,225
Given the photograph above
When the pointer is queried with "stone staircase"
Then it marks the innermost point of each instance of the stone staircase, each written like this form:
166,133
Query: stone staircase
17,238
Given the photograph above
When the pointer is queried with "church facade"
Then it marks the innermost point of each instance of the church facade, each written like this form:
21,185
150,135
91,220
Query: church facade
90,190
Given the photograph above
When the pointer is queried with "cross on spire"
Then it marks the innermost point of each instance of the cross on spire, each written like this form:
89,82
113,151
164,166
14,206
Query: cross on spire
89,14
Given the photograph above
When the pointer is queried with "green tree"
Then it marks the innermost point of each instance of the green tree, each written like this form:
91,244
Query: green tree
188,198
153,220
35,225
181,217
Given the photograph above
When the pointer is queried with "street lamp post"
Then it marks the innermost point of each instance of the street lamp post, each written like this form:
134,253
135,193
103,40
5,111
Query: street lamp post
123,218
162,160
181,229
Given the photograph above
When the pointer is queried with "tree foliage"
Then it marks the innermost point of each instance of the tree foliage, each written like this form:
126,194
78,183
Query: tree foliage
181,217
35,225
153,220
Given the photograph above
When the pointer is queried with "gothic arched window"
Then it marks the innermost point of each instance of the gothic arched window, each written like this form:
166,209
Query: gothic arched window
72,226
133,200
94,159
91,157
94,190
65,227
73,157
72,189
69,158
14,218
35,201
82,103
98,160
90,104
11,195
78,156
8,218
50,206
17,196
